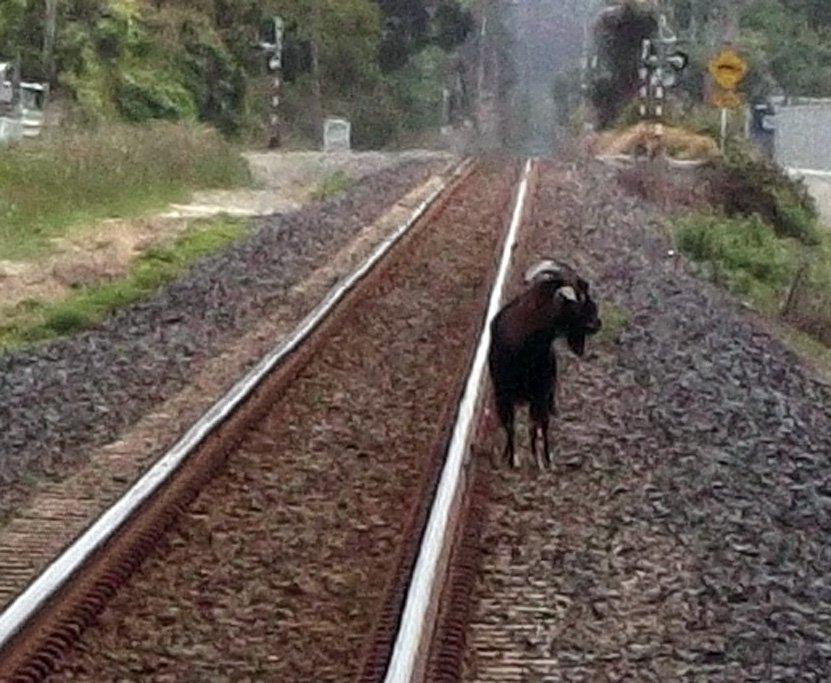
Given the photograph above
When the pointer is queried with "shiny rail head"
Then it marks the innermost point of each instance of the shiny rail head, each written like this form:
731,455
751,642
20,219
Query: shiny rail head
412,638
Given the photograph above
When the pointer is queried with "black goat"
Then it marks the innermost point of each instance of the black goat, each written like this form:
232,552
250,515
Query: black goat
521,359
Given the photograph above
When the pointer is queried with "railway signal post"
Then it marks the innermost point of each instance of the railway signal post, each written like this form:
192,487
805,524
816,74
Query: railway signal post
658,70
272,46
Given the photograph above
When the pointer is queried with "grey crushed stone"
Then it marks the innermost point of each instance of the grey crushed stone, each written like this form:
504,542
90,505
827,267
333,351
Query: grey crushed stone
70,394
683,534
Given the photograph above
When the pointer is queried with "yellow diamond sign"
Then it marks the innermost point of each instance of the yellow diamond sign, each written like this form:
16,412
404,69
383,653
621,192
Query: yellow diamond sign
728,69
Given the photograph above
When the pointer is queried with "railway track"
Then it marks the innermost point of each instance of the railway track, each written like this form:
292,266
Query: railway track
268,552
348,523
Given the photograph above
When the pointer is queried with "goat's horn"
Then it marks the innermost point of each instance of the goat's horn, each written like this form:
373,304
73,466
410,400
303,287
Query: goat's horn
568,293
547,267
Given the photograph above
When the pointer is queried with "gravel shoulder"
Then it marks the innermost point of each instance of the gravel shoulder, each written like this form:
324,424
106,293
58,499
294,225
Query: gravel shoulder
60,400
682,535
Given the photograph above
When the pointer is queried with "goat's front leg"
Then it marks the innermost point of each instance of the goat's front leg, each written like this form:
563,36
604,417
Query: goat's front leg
505,411
532,435
554,396
509,453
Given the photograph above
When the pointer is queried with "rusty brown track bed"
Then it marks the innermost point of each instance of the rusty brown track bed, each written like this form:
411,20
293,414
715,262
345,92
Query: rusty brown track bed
473,497
450,640
311,471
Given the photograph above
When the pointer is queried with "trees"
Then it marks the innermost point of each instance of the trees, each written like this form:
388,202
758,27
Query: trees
618,38
788,42
139,59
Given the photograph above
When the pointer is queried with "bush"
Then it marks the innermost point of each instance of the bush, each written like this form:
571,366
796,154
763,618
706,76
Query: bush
376,120
141,96
744,185
331,186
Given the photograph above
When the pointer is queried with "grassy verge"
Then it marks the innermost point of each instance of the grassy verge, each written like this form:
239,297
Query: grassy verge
742,254
48,186
36,320
781,276
615,320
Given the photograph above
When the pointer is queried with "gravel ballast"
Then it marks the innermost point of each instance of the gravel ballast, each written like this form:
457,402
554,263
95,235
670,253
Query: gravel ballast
72,394
683,533
278,570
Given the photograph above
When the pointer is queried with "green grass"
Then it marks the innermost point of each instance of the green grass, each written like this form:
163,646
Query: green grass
331,186
743,254
615,320
33,320
70,178
746,256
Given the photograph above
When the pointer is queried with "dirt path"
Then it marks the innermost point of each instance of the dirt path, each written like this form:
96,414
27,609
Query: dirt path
282,183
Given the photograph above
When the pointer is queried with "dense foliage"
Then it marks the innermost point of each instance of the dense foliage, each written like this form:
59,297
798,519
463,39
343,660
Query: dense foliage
196,59
787,44
618,38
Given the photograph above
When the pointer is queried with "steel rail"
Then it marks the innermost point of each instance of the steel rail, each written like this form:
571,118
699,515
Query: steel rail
414,626
57,574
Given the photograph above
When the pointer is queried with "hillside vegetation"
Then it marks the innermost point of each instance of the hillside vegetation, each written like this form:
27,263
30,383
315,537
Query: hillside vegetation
381,63
787,45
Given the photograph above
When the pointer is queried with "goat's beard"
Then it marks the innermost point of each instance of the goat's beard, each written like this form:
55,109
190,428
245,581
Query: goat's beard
577,342
576,336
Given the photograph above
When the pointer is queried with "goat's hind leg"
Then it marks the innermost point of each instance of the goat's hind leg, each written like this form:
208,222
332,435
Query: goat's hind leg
505,411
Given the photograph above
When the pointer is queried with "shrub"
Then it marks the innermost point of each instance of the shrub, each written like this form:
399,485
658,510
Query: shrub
744,185
331,186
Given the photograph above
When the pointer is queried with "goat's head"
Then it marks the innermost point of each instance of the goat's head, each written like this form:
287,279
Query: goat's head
579,312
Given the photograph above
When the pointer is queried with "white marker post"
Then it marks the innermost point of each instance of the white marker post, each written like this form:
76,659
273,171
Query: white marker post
723,128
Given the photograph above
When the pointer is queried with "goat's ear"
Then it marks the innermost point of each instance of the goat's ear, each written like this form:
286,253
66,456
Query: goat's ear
567,293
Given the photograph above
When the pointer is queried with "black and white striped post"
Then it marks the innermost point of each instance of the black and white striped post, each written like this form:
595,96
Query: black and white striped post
657,72
651,89
273,48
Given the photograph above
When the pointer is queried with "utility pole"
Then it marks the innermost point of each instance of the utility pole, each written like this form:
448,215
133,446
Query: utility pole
317,95
480,71
590,14
49,39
